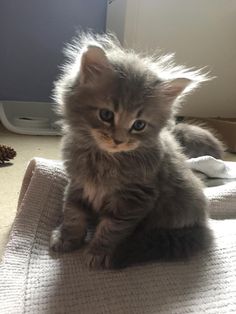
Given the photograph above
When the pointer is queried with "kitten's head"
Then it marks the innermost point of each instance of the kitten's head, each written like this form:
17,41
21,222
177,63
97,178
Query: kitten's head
116,100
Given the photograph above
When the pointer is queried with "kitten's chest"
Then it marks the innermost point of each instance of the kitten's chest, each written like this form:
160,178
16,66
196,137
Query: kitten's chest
97,183
94,194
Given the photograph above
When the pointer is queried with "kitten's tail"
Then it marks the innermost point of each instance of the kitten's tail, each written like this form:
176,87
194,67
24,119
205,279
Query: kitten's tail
162,244
197,141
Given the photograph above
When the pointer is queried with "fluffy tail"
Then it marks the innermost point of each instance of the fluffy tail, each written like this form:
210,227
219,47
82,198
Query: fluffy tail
197,141
165,244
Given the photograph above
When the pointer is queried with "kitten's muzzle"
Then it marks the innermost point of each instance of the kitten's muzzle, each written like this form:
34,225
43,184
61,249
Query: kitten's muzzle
113,144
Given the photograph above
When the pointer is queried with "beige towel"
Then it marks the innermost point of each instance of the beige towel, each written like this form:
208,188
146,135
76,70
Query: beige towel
33,281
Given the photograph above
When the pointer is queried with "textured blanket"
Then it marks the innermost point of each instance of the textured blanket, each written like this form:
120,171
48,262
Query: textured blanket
33,281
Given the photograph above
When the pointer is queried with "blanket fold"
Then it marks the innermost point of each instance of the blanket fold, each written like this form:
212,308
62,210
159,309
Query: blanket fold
213,168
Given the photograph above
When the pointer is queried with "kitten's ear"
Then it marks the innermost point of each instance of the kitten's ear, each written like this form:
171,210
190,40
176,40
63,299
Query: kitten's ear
93,64
174,88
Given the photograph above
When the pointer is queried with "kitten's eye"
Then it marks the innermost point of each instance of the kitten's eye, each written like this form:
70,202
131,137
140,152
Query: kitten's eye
138,125
106,115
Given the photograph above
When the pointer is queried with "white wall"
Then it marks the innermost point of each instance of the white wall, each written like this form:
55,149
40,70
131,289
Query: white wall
200,32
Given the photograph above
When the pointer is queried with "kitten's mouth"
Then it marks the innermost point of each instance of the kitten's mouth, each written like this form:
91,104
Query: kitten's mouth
106,143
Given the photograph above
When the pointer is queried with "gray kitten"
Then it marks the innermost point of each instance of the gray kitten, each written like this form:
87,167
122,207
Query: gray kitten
127,174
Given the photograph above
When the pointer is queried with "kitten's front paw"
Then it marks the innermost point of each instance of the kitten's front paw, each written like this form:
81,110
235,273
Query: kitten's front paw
97,261
60,243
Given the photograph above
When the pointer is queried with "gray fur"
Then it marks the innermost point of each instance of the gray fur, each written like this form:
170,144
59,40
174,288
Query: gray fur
143,195
197,141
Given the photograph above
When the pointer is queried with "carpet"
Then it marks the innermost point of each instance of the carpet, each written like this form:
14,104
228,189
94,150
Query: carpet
34,281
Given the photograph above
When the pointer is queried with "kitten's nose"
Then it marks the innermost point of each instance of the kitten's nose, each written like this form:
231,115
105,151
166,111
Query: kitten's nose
119,136
117,142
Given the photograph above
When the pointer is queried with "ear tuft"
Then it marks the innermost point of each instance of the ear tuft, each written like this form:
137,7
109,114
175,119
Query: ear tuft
176,87
93,62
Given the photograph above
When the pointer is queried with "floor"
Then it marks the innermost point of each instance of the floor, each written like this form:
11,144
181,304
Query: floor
11,175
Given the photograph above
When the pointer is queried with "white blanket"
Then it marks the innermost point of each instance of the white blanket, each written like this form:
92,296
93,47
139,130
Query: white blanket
213,168
33,281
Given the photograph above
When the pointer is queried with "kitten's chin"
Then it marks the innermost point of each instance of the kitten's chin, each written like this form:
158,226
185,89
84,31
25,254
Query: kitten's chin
106,144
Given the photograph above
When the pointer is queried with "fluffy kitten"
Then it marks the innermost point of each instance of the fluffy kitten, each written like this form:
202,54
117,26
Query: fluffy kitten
126,172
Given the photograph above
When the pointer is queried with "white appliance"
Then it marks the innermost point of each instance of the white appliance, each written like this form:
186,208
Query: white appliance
33,118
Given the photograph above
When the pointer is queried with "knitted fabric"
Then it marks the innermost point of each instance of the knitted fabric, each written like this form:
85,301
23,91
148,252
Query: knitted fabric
34,281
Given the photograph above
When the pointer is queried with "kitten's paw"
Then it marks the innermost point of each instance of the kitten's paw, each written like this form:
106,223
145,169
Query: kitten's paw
97,261
59,242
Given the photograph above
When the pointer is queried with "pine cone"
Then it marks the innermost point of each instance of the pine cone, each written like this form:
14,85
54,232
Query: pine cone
6,153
